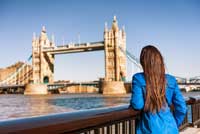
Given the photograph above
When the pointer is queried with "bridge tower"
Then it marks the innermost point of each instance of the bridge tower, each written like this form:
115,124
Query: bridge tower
115,60
43,63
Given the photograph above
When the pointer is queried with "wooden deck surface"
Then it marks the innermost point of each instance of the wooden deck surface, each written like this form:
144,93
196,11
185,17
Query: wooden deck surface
191,130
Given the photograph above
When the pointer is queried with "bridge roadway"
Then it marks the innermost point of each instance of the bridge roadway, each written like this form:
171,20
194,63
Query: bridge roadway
51,87
75,48
11,86
58,85
187,86
12,89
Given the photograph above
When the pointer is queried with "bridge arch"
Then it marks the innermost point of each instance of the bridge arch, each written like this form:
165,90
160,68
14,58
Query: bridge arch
46,80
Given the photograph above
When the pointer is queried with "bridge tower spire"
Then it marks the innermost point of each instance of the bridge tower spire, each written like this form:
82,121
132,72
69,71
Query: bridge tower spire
43,63
115,60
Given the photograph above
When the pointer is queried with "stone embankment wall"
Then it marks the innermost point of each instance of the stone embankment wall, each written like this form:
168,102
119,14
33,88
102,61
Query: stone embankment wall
88,89
79,89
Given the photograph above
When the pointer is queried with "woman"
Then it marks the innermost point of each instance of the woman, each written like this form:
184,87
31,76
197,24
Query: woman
153,92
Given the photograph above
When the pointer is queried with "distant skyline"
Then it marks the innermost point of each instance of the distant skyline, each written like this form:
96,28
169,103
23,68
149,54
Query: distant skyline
173,26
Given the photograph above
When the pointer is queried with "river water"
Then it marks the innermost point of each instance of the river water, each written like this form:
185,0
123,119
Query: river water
17,106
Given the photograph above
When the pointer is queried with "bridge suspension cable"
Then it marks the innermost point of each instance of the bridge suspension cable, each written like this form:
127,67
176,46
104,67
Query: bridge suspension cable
136,62
131,57
16,73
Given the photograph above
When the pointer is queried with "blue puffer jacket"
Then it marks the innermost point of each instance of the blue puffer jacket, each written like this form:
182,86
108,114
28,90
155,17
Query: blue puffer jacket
162,122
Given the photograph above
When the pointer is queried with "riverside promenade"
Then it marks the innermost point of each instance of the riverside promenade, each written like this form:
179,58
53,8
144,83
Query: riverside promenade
191,130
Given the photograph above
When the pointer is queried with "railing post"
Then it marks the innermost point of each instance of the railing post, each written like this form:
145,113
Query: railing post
198,113
195,111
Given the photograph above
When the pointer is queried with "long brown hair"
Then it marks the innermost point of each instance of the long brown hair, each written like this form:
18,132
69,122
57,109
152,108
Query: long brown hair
154,73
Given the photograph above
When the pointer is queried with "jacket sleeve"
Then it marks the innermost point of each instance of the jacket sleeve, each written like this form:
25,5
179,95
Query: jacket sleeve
180,108
137,98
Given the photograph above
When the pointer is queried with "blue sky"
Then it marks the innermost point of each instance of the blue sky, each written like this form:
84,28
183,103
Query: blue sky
171,25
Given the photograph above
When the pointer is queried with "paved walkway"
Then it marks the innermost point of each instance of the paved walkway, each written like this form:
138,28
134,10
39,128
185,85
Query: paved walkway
191,130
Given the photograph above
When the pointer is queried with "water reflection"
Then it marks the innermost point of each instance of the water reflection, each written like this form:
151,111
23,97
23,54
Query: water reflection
88,102
15,106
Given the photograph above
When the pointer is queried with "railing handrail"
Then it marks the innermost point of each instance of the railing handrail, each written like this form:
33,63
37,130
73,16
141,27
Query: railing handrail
67,122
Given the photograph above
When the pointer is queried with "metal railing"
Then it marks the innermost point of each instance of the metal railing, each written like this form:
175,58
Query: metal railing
120,119
194,108
111,120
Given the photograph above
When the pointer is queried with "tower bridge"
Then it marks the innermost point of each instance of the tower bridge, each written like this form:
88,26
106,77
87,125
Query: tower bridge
115,54
44,51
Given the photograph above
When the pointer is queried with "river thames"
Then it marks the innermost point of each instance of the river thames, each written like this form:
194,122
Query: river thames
20,106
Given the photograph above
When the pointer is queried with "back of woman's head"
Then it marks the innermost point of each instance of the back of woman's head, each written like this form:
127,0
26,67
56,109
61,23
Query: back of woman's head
154,72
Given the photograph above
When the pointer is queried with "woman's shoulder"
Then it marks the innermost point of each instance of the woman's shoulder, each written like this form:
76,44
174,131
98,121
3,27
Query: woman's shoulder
171,80
139,77
169,76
